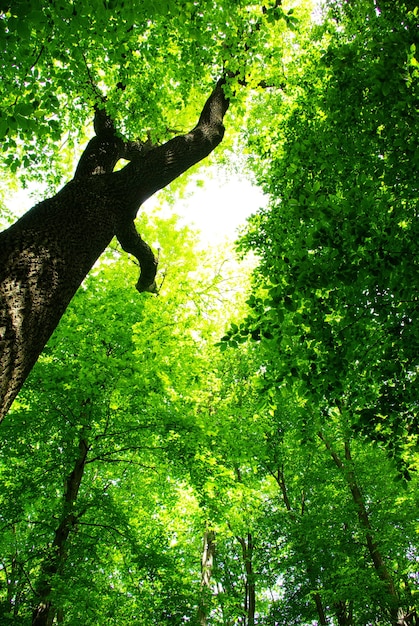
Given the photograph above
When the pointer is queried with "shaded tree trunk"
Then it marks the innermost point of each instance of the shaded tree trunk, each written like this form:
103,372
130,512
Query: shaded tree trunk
44,612
250,585
47,253
13,574
344,613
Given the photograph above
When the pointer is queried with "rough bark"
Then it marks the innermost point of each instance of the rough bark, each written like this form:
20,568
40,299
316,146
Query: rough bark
44,612
47,253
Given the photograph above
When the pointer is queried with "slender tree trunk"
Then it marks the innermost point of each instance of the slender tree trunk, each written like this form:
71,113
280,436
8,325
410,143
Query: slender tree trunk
13,579
320,610
207,564
301,541
46,254
377,559
250,585
44,612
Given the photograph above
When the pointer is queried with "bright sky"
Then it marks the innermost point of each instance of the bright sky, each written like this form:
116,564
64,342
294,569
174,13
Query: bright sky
219,207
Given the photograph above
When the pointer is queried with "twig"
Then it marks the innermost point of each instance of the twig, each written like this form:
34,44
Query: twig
95,88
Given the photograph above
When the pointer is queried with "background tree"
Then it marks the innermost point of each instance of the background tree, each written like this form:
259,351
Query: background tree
105,451
335,294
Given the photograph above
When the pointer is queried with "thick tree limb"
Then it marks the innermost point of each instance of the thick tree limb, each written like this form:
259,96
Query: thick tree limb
47,253
106,148
161,165
131,242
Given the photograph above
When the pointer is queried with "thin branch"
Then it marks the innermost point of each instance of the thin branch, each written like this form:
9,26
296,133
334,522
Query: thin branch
128,461
92,83
122,432
26,575
37,58
105,526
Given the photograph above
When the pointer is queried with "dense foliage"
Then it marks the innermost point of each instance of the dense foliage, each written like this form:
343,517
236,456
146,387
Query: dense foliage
152,473
149,59
106,457
336,300
339,241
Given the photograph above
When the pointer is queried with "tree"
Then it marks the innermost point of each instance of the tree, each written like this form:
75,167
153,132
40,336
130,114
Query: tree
334,533
339,241
47,253
335,299
59,60
106,506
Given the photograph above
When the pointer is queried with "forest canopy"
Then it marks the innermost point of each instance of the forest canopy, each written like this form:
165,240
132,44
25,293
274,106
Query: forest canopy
241,449
60,58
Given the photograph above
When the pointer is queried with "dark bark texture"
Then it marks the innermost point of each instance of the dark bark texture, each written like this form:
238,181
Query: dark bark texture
47,253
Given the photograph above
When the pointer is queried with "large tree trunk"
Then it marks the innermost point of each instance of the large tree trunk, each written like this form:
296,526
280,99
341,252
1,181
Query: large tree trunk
46,254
